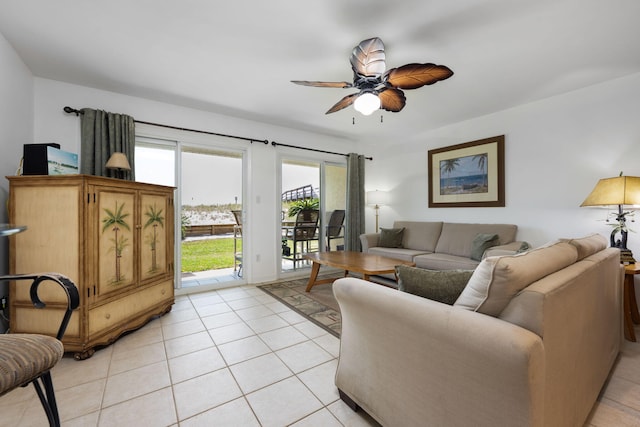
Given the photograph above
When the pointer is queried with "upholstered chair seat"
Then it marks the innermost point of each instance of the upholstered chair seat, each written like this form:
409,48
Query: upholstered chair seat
24,357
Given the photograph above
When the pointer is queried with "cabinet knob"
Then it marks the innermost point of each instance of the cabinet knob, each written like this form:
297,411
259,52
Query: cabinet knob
164,291
107,316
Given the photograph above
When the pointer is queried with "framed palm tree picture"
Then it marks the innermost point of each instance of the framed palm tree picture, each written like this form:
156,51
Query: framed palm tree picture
467,175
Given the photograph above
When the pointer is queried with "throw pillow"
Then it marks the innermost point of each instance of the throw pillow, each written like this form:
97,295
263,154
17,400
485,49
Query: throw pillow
497,279
524,247
391,237
442,286
481,243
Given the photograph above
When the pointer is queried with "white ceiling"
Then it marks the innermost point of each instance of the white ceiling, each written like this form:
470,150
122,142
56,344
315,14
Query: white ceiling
238,57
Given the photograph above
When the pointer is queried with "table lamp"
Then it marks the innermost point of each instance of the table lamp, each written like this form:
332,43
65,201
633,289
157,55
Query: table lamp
119,162
621,191
377,198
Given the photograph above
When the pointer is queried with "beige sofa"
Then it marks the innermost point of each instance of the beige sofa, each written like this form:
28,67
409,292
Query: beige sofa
529,342
438,245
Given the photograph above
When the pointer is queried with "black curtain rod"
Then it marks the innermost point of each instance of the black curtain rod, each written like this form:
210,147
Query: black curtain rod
70,110
312,149
251,140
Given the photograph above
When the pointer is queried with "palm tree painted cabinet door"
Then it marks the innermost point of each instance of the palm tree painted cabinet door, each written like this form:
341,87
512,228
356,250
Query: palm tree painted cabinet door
116,239
155,212
113,238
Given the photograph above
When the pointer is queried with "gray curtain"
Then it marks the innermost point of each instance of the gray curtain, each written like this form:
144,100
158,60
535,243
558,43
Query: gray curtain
103,134
354,220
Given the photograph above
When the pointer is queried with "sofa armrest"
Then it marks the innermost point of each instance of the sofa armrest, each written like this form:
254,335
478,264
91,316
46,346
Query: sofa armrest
506,249
410,361
369,240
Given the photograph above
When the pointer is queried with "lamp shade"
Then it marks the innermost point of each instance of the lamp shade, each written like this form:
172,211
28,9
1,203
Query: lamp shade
620,190
378,198
118,161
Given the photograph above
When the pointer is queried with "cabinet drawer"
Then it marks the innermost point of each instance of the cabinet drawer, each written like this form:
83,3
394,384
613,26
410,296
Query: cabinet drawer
120,311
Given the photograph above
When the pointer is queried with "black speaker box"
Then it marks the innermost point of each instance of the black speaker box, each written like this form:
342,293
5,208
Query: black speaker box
34,158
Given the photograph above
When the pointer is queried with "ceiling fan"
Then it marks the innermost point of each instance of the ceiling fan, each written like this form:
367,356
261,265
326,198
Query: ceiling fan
378,87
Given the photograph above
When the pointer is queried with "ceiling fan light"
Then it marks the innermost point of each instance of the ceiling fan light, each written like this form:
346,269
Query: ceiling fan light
367,103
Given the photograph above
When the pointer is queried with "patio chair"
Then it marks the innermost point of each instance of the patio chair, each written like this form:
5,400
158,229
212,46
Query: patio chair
304,231
28,358
335,228
237,235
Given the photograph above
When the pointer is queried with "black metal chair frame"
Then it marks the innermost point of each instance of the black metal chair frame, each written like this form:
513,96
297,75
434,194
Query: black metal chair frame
335,227
304,231
237,235
43,383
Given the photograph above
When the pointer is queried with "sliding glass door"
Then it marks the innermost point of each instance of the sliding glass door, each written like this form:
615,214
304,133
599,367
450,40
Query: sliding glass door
318,188
209,188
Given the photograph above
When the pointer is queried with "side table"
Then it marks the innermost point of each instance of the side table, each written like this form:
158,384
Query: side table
631,315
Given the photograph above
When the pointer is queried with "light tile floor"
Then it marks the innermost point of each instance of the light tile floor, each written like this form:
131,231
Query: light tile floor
235,357
230,357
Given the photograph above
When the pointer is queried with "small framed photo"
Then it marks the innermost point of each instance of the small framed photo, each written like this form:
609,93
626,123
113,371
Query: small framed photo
467,175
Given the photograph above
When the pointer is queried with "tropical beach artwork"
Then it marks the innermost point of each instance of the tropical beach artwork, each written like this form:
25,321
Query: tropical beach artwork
470,174
464,175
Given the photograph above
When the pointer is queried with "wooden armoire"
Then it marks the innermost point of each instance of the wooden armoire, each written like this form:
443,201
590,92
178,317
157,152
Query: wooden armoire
113,238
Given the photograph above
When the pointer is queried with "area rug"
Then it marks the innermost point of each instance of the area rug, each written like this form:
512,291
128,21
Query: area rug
319,305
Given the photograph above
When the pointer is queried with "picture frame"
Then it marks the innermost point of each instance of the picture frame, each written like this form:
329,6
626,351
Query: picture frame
470,174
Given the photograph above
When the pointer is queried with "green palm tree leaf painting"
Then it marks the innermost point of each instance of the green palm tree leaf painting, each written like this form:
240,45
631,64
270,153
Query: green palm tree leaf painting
155,220
115,220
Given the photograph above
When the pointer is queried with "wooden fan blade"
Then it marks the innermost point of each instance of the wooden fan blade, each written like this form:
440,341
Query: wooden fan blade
367,59
413,76
392,99
322,84
343,103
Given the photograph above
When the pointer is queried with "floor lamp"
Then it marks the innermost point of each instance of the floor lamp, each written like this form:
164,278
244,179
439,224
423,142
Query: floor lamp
621,191
377,198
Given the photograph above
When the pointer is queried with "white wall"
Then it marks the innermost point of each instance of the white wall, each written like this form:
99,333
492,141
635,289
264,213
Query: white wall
555,152
16,128
261,201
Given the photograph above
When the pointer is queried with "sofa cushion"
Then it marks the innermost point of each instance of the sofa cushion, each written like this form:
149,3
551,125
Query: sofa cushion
396,253
441,286
444,262
588,245
481,243
420,235
457,238
391,237
498,279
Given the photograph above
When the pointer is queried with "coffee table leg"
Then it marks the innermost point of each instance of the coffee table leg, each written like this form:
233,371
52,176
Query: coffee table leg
314,275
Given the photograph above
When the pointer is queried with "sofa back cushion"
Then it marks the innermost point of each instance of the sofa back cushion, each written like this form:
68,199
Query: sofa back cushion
420,235
588,245
457,238
498,279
